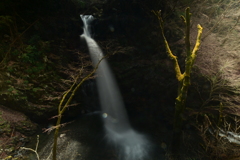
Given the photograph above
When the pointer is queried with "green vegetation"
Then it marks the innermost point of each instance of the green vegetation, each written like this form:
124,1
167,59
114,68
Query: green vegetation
79,3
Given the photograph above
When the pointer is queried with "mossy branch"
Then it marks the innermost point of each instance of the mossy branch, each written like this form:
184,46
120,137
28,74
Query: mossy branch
187,32
177,69
198,42
62,108
183,78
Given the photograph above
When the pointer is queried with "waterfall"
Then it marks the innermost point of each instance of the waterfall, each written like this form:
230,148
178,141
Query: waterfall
131,145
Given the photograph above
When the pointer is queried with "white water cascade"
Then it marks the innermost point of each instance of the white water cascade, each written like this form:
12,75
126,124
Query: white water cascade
131,145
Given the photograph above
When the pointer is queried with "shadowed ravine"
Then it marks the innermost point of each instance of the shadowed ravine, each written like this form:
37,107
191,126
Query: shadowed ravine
130,144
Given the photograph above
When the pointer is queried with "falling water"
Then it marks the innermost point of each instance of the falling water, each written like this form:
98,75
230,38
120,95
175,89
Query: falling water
131,145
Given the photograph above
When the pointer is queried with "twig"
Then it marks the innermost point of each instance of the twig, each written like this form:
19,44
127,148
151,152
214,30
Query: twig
30,149
63,105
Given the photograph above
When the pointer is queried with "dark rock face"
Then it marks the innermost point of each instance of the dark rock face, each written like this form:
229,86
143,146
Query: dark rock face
143,71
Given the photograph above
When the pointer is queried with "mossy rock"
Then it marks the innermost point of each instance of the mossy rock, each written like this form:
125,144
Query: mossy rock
4,126
10,119
26,127
19,101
